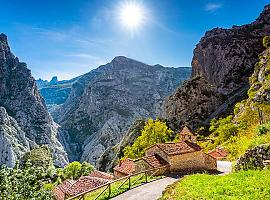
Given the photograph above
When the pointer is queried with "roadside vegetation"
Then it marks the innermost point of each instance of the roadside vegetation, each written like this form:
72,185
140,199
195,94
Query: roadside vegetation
237,186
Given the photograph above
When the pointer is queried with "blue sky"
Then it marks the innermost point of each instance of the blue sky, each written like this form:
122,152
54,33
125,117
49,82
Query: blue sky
68,38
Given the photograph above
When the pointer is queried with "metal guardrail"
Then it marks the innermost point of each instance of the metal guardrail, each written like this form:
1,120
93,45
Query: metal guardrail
108,186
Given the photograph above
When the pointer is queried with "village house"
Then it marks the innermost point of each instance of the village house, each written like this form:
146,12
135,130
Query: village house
185,155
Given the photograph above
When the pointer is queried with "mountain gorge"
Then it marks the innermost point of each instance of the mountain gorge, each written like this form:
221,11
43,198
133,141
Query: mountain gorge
24,120
103,104
222,63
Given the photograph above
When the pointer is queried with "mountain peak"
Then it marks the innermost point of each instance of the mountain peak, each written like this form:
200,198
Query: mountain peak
54,80
3,38
4,48
120,59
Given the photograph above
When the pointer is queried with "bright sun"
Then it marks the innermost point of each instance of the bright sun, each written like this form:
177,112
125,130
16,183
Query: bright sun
132,15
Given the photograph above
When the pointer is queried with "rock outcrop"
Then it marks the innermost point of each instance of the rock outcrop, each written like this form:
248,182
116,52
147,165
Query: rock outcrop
24,120
104,103
225,59
255,158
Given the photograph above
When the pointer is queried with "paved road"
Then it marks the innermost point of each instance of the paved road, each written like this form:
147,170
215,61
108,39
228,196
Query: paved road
224,166
153,190
149,191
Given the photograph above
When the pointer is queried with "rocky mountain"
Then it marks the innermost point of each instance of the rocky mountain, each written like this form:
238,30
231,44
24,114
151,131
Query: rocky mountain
41,83
104,103
55,92
224,59
24,120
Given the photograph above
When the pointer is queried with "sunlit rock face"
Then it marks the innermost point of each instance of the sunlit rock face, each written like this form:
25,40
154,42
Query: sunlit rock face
104,103
24,120
225,59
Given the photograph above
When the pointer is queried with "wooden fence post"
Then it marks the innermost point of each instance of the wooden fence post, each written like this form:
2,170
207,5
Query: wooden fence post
110,189
145,177
129,183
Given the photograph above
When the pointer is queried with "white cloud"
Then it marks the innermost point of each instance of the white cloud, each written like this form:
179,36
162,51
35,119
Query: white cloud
211,7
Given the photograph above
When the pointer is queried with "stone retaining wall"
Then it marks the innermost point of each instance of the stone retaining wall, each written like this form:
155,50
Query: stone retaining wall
255,158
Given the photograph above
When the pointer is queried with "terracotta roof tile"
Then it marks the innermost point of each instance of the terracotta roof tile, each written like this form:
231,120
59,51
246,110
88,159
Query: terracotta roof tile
85,183
99,174
126,166
62,189
58,193
155,161
218,153
179,147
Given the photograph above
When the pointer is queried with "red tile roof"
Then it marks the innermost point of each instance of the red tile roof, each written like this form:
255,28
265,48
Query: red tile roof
179,147
58,194
99,174
155,161
71,188
218,153
85,183
62,189
126,166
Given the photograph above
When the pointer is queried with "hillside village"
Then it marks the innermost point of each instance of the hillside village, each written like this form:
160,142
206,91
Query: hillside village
181,157
126,129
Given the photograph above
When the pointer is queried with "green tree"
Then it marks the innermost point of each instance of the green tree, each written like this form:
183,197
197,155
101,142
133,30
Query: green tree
40,156
26,183
223,129
72,171
266,41
154,131
75,170
86,169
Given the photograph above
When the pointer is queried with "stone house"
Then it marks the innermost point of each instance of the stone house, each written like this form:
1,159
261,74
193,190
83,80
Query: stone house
185,155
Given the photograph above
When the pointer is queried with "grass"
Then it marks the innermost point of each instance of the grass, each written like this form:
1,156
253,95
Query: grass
115,190
242,185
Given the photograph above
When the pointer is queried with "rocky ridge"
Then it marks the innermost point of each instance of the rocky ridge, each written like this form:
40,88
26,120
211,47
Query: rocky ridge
104,103
225,59
24,120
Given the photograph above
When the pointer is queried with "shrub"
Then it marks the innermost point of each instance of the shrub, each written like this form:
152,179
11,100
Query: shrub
263,129
266,41
223,129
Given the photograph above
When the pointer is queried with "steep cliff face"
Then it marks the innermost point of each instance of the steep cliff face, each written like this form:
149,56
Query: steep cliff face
225,58
103,103
192,103
25,121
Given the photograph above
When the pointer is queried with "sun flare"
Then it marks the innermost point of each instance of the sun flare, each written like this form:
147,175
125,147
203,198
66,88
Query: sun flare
132,15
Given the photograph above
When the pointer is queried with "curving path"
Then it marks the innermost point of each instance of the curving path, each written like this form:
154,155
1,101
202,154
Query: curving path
149,191
153,190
